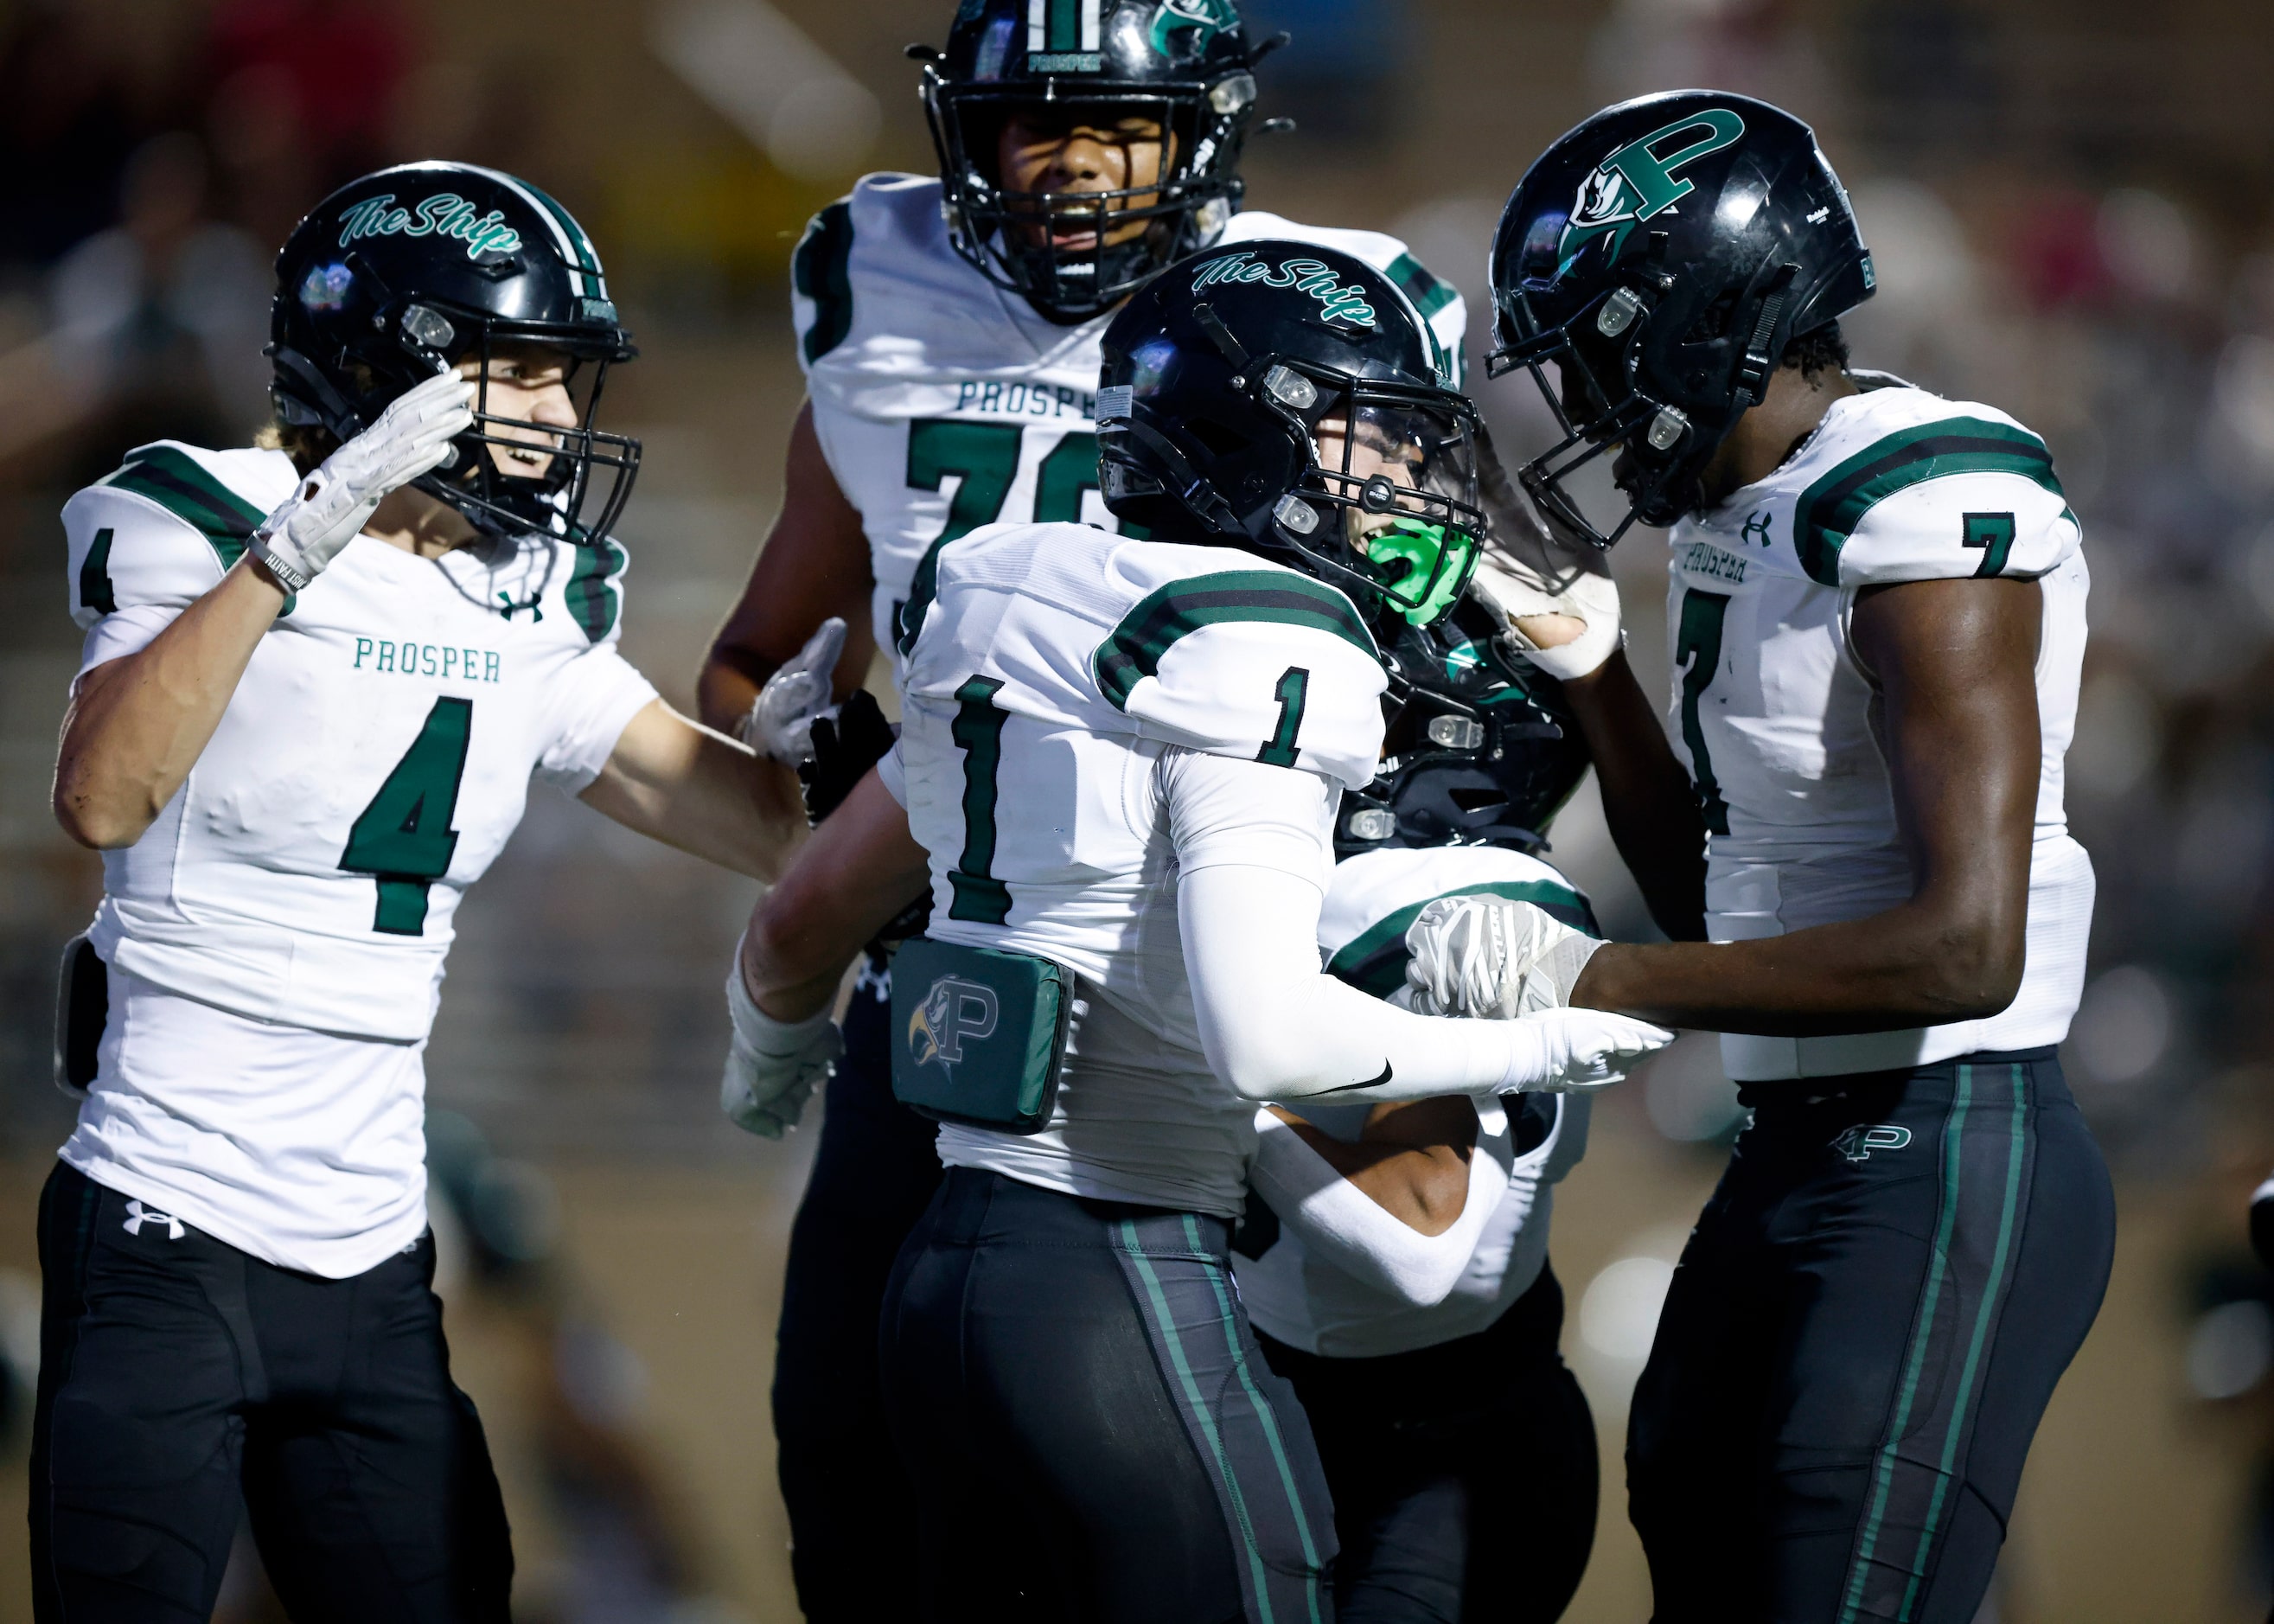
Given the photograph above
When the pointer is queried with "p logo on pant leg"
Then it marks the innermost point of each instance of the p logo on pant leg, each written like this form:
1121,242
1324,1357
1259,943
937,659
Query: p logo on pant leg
1857,1144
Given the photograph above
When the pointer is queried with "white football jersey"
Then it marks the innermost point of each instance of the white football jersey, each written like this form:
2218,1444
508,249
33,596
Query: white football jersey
1309,1302
1778,722
376,756
276,938
944,403
1054,668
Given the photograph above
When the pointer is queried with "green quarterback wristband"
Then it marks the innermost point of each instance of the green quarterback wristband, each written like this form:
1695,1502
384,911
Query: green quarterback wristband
980,1034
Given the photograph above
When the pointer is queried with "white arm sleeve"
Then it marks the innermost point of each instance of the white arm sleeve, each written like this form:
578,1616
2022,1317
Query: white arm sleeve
1339,1223
1254,851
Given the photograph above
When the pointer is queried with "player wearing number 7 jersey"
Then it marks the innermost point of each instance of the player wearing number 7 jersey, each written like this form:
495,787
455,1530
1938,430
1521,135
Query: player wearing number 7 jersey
317,681
1878,622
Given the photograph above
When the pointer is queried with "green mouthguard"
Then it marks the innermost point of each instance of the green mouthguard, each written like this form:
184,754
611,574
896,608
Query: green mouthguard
1437,560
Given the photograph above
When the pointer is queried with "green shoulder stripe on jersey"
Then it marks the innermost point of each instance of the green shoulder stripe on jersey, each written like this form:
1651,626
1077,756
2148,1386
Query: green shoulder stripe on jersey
818,269
178,484
1429,295
1374,961
1133,651
592,590
94,589
1830,509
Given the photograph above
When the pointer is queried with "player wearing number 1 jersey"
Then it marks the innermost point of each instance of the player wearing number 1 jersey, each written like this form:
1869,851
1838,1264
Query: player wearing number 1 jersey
1877,623
318,679
1121,763
949,329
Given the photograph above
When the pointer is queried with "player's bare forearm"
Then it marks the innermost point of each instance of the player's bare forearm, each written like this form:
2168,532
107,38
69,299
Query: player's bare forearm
137,724
683,784
814,563
1412,1160
1955,662
860,869
1647,798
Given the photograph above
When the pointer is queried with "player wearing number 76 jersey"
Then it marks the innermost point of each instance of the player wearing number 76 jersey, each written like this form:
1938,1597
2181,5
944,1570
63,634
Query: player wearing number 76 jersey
317,681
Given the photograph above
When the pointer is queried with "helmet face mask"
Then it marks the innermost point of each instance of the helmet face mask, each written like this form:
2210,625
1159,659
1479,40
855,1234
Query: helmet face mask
1180,70
1289,398
1648,273
415,270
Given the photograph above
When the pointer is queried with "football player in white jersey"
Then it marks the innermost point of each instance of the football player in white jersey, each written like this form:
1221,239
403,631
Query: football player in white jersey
1394,1258
1877,620
949,326
316,684
1121,764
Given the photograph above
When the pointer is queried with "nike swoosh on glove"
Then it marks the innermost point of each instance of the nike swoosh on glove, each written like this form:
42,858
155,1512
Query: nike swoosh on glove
780,722
772,1067
1519,590
1576,1051
329,508
1492,957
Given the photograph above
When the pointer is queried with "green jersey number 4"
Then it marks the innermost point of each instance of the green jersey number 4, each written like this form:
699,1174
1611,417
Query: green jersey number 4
403,838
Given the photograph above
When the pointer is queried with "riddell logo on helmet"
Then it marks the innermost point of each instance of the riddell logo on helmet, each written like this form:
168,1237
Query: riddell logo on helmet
1642,180
446,214
1338,302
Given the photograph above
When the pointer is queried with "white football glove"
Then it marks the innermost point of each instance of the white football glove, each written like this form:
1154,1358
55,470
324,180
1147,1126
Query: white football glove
1576,1051
329,508
772,1066
780,722
1519,590
1493,958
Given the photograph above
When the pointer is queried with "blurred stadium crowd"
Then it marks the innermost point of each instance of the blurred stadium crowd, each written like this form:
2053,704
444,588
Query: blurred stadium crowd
2071,219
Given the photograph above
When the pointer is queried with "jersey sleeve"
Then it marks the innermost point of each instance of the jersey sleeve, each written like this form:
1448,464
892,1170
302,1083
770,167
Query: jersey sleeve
587,705
1259,665
1955,498
821,284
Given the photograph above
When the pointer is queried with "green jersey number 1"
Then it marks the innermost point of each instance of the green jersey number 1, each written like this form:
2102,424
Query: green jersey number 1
403,838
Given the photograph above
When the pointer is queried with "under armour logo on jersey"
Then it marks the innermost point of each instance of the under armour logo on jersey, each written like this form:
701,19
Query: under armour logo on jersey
137,1215
508,609
953,1011
1756,528
1857,1144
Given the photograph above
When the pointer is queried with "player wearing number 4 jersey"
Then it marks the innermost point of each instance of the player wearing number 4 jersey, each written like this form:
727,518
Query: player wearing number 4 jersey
318,679
949,328
1877,621
1121,764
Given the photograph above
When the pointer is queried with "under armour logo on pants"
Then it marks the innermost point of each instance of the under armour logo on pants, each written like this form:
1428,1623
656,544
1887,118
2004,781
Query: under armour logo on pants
137,1215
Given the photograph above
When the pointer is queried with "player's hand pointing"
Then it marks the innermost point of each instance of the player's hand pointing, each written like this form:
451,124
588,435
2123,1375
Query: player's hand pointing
329,508
780,722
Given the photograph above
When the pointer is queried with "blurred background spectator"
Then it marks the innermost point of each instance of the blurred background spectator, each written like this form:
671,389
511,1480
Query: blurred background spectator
2072,206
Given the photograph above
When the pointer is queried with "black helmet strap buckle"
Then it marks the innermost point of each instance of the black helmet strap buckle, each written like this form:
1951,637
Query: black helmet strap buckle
1752,379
